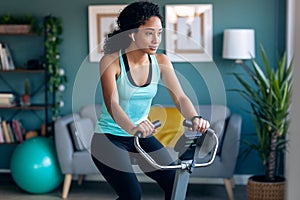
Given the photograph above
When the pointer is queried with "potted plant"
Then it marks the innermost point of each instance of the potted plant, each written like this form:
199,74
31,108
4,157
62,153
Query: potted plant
268,94
25,99
19,24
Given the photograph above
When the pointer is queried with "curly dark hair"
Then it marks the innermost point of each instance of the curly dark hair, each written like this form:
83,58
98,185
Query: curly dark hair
131,17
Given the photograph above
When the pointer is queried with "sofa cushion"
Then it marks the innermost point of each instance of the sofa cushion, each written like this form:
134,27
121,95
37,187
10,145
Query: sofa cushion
81,131
171,120
171,124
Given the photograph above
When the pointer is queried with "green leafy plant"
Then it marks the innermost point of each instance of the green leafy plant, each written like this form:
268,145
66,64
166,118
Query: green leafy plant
27,87
53,31
9,19
269,95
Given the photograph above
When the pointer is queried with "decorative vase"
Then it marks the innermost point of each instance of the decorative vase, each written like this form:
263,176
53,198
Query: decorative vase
260,189
25,100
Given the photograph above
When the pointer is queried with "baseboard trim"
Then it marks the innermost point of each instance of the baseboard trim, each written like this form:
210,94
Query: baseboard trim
4,170
240,179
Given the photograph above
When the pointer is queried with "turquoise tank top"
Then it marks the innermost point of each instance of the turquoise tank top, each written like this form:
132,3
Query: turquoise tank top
134,100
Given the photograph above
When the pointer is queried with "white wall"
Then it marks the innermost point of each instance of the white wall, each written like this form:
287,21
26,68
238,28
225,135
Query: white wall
293,155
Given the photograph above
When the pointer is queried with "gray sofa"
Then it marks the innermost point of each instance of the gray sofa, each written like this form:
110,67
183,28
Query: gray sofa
73,134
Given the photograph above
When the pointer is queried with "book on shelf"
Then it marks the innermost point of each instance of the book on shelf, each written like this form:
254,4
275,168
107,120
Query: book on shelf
6,95
5,131
2,61
8,105
1,134
10,60
22,128
17,130
7,99
10,132
7,62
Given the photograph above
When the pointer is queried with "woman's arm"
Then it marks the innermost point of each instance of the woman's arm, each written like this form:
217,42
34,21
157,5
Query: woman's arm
182,102
109,71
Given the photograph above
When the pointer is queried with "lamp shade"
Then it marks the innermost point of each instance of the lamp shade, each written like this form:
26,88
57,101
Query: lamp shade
238,44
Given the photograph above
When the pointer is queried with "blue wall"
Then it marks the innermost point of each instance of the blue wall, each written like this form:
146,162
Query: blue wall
267,17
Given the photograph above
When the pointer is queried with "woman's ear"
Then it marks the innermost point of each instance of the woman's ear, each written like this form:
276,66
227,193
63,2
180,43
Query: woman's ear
131,35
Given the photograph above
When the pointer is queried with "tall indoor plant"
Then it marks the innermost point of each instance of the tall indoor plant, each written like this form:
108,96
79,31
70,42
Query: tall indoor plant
268,94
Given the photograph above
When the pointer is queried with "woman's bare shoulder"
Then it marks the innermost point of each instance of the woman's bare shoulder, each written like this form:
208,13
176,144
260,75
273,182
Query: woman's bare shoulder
163,60
109,59
110,63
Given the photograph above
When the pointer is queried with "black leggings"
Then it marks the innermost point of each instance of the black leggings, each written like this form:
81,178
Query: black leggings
113,157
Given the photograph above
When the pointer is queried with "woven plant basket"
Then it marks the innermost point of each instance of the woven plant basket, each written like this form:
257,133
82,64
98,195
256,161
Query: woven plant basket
262,190
15,29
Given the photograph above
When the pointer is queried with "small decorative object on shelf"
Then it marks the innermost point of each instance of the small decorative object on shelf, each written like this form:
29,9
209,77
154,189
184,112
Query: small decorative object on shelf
35,64
56,75
25,100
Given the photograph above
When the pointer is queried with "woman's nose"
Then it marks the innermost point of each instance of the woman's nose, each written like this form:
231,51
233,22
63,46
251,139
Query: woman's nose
156,38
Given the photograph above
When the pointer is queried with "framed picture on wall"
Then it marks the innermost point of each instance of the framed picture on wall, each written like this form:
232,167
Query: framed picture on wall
189,32
102,20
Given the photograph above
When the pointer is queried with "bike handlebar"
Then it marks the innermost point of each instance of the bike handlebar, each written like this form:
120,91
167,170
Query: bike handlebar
183,165
156,125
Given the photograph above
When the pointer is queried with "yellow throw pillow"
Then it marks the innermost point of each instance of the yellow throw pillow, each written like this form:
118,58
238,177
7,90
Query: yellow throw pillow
171,124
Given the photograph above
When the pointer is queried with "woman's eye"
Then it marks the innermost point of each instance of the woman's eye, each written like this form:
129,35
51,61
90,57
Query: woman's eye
149,33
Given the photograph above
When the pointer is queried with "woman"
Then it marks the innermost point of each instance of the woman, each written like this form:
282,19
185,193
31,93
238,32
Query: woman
130,71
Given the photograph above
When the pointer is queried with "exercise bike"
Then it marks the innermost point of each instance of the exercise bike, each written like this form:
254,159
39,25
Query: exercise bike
188,147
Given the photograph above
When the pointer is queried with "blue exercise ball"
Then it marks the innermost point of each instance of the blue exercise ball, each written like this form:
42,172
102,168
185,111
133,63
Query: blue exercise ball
34,166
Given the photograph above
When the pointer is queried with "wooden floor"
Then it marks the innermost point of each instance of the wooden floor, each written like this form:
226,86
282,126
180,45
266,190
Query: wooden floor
92,190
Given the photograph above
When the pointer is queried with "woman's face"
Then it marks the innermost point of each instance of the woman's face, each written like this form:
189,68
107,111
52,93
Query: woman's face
148,36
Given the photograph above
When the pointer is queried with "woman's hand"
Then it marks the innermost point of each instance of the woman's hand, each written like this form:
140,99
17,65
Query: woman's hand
200,124
146,128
